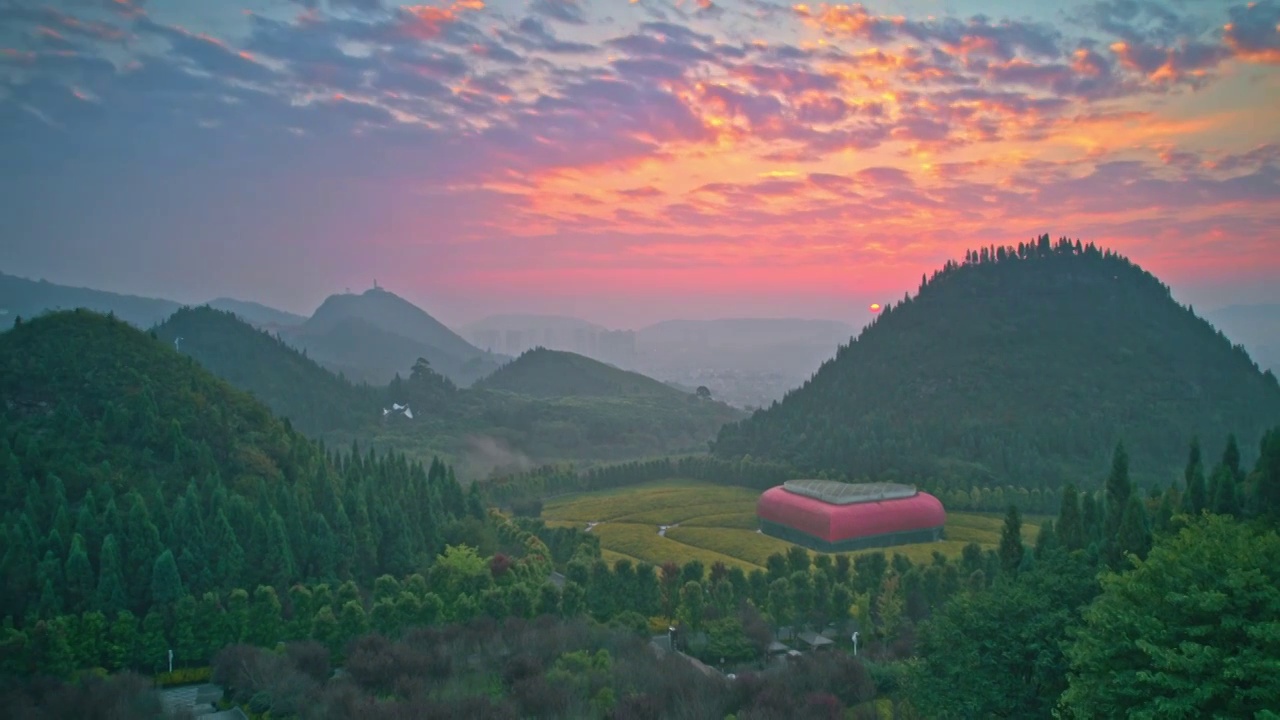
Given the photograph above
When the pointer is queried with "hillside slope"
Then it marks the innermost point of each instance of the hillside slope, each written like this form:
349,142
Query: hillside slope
1022,365
20,297
257,314
555,373
375,335
287,381
122,459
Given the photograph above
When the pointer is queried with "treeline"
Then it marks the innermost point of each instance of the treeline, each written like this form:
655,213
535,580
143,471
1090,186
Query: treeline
458,585
1184,576
524,488
130,477
1020,366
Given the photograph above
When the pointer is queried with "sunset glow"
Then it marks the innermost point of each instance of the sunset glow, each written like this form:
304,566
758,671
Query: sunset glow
631,160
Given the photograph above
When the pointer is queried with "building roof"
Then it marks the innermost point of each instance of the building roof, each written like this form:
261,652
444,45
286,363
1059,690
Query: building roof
841,493
834,523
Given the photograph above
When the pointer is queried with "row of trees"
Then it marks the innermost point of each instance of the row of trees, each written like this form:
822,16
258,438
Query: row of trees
1181,576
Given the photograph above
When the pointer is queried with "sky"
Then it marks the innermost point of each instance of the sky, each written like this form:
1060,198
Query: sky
627,161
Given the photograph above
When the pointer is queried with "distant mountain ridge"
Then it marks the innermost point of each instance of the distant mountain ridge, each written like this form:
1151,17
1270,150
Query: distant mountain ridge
375,335
20,297
291,384
1023,365
556,373
257,314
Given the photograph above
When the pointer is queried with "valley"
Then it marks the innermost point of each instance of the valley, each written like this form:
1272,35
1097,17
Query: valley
682,520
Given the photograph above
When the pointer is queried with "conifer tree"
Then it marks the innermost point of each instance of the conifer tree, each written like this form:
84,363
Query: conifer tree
1046,540
79,577
1196,497
110,594
166,583
1231,458
1119,488
1267,472
1226,500
1070,528
1011,549
1135,532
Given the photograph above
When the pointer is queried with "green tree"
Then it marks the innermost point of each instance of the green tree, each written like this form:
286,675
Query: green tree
265,622
692,605
1226,499
1011,548
1267,476
79,577
997,652
1189,632
1070,527
166,586
1119,488
110,592
1196,497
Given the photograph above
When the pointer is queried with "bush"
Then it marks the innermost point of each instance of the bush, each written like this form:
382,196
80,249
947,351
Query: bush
184,676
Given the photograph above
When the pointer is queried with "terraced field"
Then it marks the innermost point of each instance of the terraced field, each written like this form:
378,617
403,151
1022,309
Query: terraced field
685,519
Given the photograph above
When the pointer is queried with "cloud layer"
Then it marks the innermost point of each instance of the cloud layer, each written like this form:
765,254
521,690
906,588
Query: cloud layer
564,154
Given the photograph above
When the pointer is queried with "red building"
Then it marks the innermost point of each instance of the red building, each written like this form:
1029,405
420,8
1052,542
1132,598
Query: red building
833,516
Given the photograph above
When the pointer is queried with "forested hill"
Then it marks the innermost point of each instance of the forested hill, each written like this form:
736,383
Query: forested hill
131,477
377,334
1020,365
287,381
554,373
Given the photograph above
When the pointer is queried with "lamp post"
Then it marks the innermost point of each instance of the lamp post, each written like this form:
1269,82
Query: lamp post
855,643
671,637
170,659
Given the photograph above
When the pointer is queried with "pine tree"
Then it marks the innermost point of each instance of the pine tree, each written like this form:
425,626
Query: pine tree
1070,527
1046,540
1135,532
1226,499
1011,549
1196,497
1231,458
1267,471
110,594
1119,488
79,577
166,584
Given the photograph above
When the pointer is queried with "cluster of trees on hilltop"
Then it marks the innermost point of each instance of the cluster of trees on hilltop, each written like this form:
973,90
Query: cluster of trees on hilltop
1017,367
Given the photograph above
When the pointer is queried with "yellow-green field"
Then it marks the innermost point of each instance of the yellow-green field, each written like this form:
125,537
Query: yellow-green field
719,523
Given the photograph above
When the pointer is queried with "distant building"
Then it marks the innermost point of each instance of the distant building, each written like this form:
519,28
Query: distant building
831,516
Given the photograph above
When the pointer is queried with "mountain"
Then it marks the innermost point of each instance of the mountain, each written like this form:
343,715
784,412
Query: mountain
1021,366
148,478
286,380
20,297
1257,327
257,314
555,373
548,406
375,335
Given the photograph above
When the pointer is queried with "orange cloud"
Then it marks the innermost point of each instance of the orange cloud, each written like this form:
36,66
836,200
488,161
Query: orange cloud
426,22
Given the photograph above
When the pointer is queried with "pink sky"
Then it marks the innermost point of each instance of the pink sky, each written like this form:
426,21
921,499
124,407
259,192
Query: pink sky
631,161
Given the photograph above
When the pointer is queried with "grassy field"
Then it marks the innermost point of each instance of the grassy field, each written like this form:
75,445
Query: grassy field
713,522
